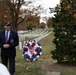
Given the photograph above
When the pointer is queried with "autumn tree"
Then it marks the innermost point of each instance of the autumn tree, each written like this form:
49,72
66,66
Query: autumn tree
32,22
13,8
4,15
32,15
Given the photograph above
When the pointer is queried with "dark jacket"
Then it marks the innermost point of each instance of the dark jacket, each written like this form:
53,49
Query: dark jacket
13,42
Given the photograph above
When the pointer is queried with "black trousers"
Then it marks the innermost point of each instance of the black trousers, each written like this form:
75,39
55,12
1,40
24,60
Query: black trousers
11,62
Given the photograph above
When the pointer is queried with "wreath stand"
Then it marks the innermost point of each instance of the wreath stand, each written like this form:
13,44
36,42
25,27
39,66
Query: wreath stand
32,51
36,67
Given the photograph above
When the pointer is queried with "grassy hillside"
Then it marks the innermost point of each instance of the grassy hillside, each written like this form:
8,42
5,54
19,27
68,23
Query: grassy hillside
45,62
24,67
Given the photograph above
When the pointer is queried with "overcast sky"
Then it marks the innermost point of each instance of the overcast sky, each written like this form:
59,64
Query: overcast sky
49,3
46,4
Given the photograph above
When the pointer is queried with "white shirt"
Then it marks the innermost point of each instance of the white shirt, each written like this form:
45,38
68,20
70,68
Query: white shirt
3,70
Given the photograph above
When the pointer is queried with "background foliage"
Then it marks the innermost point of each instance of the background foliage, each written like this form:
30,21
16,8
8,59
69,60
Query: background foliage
64,25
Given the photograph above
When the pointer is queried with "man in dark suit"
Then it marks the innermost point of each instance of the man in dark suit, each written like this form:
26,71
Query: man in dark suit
8,43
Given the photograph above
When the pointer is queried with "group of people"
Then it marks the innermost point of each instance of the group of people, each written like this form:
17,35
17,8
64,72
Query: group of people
8,41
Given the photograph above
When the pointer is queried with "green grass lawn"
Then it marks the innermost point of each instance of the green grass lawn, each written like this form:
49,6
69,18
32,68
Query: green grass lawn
40,67
24,67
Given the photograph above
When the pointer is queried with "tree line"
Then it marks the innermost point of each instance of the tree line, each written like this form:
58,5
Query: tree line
11,10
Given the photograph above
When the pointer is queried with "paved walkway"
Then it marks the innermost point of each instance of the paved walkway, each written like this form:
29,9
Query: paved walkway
53,73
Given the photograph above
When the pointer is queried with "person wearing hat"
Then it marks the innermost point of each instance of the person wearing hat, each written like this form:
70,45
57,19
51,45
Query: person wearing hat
8,42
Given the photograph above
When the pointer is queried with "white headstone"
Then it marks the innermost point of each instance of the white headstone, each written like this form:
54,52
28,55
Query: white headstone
20,45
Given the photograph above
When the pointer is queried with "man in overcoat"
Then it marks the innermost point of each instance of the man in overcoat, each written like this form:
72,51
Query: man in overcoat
8,42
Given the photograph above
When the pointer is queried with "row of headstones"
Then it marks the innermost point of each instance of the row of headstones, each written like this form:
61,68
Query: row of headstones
37,31
21,44
23,34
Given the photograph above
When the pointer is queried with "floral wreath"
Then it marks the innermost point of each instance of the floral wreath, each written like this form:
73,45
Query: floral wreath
32,50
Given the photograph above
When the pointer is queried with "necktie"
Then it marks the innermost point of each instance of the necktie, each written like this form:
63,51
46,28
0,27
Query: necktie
6,37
